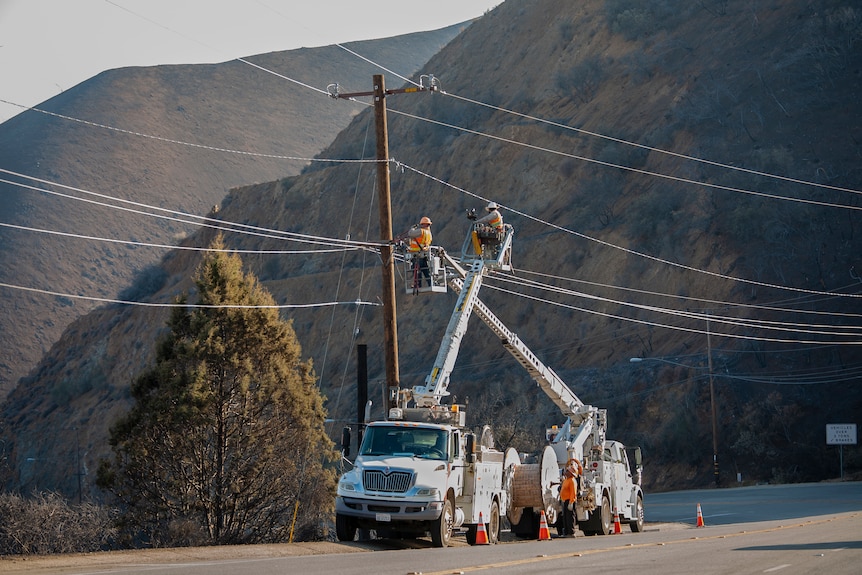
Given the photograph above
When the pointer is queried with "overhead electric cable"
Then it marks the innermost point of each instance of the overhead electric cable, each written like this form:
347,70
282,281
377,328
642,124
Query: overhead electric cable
625,249
626,168
184,305
201,220
689,298
175,247
189,144
651,148
812,329
673,327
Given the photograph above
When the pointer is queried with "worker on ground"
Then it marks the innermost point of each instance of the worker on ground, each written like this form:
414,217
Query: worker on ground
489,229
568,496
420,242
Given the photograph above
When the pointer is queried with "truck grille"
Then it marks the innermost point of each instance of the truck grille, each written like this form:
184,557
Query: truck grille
393,482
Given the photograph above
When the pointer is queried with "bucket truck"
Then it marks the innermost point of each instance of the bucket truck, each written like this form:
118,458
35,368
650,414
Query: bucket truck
422,471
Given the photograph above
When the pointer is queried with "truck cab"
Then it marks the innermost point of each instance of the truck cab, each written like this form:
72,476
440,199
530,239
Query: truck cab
405,481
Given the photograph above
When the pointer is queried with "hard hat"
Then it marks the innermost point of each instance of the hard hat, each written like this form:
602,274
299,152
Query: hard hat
492,206
425,220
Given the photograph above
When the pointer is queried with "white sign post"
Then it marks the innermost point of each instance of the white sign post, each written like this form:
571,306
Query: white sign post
841,434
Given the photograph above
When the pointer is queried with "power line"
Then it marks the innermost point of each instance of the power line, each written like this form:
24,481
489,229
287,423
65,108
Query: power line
625,249
673,327
693,299
849,331
654,149
185,305
188,144
175,247
199,220
629,168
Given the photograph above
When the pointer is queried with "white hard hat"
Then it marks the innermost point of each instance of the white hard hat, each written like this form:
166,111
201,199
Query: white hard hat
492,206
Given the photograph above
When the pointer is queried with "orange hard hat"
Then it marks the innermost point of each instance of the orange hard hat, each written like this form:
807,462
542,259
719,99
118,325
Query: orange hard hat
425,220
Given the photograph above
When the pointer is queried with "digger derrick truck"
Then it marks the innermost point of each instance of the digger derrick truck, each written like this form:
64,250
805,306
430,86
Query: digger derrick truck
423,472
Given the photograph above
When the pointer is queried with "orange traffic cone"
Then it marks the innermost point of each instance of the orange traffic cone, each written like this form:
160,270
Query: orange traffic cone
699,516
544,532
481,534
617,527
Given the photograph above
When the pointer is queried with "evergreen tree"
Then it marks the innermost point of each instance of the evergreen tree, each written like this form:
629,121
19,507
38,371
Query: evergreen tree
224,442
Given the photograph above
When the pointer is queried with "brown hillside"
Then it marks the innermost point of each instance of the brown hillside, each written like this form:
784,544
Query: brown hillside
772,88
229,106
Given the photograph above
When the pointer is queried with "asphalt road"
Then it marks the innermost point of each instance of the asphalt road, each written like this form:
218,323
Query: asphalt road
810,528
749,504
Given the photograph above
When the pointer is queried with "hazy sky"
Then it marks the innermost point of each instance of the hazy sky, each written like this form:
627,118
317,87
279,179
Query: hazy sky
47,46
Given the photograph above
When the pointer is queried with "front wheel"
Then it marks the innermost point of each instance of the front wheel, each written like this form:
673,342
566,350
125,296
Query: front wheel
441,528
637,523
345,529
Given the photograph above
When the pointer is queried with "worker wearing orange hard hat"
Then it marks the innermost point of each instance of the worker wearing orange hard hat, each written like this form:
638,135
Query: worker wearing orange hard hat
568,496
420,242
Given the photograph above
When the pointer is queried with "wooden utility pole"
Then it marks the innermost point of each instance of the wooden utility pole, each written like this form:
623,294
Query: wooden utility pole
390,328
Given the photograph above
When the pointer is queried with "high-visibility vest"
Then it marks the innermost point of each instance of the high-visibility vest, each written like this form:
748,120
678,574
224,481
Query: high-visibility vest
497,221
567,490
421,242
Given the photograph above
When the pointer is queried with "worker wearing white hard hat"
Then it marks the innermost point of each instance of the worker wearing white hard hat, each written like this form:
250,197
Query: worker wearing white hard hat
493,218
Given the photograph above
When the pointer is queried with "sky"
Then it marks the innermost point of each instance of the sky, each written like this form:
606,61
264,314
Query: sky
48,46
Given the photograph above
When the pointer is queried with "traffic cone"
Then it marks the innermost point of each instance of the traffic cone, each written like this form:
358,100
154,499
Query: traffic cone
617,527
481,534
699,516
544,532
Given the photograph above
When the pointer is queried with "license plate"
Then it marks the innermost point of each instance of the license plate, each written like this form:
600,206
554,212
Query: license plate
383,517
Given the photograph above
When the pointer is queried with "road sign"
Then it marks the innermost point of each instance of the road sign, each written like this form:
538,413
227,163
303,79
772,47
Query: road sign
841,434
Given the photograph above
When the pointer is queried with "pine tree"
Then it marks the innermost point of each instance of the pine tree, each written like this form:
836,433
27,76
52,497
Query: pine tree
225,439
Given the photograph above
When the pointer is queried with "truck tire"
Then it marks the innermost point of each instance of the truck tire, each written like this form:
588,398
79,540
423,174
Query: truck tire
605,516
441,528
493,526
637,522
345,529
600,519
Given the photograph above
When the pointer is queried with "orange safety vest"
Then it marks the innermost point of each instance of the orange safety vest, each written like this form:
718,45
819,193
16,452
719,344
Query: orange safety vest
567,490
421,242
496,222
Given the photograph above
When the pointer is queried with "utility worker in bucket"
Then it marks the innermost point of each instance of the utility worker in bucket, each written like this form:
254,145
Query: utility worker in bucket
568,496
489,229
420,241
493,219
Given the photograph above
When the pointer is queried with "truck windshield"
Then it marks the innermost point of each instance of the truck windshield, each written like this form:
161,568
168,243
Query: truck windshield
427,443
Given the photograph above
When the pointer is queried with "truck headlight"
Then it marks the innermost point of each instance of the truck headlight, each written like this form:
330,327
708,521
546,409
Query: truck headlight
346,486
428,492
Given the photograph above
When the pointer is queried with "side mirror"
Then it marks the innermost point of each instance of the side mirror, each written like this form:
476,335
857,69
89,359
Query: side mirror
471,447
345,441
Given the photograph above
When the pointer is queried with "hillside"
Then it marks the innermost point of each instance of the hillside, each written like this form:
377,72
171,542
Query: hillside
93,142
766,89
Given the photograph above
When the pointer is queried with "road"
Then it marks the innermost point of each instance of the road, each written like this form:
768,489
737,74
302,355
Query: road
769,529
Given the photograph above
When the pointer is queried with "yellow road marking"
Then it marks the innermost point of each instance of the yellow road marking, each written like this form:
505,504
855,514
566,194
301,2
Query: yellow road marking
528,560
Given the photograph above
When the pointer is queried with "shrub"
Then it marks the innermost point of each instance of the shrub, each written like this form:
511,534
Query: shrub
45,523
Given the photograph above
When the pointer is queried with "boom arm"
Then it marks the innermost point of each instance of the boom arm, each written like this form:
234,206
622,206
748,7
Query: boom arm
585,424
548,380
437,382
